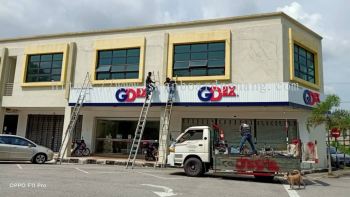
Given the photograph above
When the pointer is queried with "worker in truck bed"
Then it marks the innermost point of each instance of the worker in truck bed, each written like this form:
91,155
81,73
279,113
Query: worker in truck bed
246,134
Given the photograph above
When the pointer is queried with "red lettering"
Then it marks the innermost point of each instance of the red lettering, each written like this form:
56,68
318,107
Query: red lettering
131,93
256,165
241,163
141,92
315,97
259,165
272,166
232,91
218,95
229,91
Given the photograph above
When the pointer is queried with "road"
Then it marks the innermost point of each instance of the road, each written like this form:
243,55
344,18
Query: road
25,179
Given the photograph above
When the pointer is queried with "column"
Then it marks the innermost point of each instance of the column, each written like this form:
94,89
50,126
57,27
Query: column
163,140
3,59
68,141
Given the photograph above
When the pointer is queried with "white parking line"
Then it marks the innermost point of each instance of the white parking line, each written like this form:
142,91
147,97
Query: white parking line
159,177
82,170
19,166
291,192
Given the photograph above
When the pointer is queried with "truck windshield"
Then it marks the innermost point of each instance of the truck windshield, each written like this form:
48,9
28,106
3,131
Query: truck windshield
191,135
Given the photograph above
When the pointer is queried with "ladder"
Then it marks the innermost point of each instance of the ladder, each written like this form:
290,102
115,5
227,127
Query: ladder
139,130
164,130
74,116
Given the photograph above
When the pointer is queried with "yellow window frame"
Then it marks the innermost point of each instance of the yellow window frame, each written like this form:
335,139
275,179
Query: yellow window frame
200,37
119,43
294,39
40,50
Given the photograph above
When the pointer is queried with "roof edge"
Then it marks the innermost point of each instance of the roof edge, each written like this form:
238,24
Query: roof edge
155,26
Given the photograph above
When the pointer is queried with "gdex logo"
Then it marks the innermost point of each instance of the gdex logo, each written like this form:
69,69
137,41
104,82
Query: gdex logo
215,93
311,98
129,94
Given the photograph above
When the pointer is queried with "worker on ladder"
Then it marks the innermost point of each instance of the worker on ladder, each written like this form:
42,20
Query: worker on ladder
171,85
149,84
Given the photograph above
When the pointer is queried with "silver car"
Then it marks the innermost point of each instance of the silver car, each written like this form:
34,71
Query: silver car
17,148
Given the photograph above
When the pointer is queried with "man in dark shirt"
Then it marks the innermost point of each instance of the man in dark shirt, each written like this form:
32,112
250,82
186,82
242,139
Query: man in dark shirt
149,84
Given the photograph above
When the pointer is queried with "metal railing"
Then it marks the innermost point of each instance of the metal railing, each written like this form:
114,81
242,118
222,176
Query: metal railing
8,89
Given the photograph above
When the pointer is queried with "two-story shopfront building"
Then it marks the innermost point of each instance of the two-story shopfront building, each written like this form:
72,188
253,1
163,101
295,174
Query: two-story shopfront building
265,69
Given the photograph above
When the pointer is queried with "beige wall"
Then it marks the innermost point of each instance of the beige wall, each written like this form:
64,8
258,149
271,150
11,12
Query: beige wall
256,56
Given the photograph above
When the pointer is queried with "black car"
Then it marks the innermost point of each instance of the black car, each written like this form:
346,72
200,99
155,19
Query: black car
338,158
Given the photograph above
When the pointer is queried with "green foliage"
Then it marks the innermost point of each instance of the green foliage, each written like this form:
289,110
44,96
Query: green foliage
341,147
320,114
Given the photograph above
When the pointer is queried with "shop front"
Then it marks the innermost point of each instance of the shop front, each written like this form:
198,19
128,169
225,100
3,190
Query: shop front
277,113
114,136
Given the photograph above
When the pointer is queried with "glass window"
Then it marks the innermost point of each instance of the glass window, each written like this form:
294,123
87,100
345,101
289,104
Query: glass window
199,59
118,64
191,135
304,64
44,67
20,142
6,140
104,68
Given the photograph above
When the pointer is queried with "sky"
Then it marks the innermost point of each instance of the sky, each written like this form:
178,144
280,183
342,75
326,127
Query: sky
330,19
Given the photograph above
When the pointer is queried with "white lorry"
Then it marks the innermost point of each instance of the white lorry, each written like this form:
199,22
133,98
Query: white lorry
199,149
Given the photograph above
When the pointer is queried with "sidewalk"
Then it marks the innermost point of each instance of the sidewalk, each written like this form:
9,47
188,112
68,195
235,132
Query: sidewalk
335,173
107,161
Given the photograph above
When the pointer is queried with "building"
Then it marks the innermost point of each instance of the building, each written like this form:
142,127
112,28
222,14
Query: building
264,68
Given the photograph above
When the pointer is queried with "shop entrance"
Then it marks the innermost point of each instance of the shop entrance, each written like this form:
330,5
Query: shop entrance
114,137
10,124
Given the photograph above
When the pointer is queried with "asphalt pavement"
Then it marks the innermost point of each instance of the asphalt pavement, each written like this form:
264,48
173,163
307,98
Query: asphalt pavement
25,179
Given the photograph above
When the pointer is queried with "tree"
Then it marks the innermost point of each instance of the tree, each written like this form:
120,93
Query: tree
322,115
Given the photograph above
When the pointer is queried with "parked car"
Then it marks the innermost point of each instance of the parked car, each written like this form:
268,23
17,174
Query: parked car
338,157
17,148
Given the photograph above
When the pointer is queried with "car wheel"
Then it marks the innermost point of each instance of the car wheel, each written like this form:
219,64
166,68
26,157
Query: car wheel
40,158
193,167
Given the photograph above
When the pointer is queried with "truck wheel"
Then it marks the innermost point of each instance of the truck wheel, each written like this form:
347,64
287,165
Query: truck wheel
193,167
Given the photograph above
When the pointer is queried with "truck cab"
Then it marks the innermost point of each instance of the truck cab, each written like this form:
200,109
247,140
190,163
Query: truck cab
192,150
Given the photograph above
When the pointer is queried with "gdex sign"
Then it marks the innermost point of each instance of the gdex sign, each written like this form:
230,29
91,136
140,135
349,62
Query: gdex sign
129,94
311,98
215,93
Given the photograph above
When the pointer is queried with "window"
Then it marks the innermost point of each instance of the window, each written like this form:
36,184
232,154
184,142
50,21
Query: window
20,142
304,64
200,59
6,140
191,135
118,64
15,141
44,67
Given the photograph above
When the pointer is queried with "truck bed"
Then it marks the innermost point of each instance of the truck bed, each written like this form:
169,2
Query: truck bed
255,164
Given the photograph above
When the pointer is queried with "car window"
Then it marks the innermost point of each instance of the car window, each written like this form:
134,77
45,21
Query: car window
332,150
20,141
6,139
191,135
1,142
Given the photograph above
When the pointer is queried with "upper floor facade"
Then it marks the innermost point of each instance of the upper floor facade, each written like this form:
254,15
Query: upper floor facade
269,48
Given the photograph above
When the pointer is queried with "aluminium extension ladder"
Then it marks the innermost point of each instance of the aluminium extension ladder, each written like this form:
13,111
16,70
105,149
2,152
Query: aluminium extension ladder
74,116
139,130
164,130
